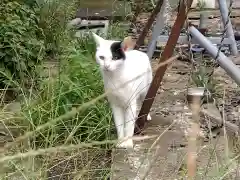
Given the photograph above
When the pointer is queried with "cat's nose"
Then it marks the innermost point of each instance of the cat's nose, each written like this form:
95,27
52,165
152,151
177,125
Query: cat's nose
107,66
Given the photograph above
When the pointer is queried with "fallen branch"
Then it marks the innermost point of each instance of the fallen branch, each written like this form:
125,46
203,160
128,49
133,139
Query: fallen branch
66,148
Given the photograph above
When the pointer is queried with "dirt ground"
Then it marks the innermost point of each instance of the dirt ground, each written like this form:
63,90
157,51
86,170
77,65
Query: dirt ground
167,159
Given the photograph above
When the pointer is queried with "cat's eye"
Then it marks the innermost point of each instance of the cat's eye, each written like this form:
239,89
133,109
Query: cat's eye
102,57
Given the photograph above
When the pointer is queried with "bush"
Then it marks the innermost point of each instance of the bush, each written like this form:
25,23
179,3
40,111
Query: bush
21,46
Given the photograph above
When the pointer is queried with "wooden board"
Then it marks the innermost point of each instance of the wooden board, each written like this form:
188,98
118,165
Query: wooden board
103,9
162,40
236,3
213,13
96,3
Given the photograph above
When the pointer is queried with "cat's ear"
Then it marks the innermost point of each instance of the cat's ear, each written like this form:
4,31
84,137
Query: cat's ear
128,43
98,40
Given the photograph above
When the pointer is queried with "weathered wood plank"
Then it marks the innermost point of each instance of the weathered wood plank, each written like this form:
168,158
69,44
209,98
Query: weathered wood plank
184,40
103,10
96,3
213,13
236,3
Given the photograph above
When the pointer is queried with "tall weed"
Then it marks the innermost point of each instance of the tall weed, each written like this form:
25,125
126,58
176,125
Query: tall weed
78,82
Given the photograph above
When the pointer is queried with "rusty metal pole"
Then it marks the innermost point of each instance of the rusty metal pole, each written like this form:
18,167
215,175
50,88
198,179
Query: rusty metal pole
167,53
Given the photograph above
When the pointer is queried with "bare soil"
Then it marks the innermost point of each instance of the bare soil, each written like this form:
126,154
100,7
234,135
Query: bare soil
167,160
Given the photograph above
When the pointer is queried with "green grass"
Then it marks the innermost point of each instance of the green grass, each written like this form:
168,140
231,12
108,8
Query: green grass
78,82
60,130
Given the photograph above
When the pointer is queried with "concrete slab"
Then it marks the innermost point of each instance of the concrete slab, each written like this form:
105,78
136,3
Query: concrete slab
144,161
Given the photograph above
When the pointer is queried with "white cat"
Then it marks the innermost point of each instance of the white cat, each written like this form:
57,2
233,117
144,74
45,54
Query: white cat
119,65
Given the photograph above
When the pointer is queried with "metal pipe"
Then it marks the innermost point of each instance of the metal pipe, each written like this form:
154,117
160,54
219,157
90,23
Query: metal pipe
149,23
156,31
152,43
232,70
224,12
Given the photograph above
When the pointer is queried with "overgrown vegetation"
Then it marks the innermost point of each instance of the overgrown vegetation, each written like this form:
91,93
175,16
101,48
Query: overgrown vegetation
33,33
202,76
76,85
22,45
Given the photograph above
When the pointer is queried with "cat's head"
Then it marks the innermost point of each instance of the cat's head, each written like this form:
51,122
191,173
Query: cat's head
110,55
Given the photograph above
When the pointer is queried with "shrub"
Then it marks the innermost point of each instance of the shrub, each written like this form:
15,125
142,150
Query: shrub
21,44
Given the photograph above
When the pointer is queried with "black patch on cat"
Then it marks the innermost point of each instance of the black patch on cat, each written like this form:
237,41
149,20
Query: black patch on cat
117,51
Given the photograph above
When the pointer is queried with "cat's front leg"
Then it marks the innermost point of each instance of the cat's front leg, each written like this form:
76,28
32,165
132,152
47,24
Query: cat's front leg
118,116
130,118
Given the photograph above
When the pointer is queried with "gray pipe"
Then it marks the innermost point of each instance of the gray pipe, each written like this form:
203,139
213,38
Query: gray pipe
160,23
230,34
232,70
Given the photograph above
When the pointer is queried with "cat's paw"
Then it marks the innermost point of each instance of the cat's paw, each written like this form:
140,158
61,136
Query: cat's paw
149,118
126,144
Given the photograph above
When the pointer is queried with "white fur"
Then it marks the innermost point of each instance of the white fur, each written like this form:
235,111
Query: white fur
135,73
